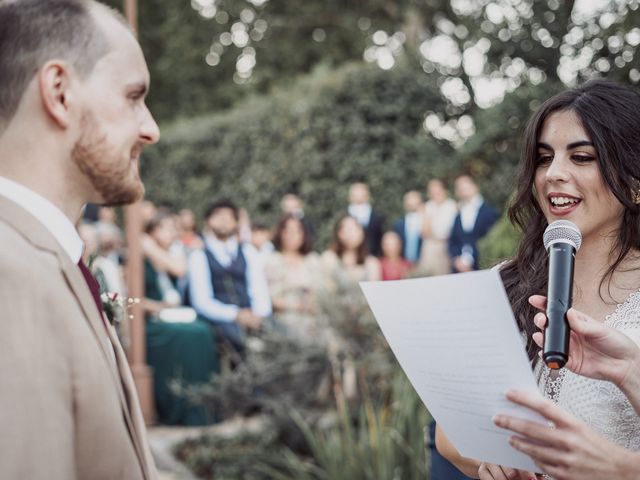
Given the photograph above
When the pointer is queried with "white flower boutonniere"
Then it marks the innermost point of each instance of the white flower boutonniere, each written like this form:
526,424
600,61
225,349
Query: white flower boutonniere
116,306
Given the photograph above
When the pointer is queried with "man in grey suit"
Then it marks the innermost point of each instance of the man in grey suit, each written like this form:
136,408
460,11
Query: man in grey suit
73,122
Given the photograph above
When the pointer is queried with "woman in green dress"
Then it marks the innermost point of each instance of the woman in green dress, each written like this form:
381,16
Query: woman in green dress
179,353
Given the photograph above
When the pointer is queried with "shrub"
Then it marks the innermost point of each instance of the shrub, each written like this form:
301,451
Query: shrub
333,128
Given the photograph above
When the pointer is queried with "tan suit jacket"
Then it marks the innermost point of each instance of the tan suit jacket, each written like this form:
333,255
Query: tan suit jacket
68,405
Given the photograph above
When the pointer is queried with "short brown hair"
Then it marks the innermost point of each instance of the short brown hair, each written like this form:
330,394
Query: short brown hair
33,32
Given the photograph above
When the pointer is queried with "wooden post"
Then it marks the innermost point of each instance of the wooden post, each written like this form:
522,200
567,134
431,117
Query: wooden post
142,374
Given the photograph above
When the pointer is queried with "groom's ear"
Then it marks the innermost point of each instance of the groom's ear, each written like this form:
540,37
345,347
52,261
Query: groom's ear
55,85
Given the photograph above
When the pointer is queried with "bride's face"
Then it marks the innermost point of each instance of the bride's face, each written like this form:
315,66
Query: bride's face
568,181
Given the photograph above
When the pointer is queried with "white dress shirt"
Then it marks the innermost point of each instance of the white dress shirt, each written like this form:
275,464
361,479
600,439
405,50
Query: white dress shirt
46,213
469,212
441,217
361,212
201,287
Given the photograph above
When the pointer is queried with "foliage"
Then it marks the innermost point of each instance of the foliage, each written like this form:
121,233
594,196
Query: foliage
327,131
492,154
382,440
499,244
514,40
250,456
319,427
386,442
276,375
357,123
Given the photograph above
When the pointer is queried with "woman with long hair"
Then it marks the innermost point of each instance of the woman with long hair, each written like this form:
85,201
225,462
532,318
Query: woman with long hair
580,162
349,251
293,276
345,264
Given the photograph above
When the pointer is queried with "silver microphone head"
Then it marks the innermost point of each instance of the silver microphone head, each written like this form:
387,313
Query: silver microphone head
562,231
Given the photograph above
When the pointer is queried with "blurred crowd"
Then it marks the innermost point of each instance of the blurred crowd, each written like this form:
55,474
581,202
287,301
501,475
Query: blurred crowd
233,278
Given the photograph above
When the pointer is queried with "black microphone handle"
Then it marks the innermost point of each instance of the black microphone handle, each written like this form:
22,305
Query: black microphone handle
559,294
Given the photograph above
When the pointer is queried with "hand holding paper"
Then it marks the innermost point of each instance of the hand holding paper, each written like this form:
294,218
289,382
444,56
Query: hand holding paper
457,341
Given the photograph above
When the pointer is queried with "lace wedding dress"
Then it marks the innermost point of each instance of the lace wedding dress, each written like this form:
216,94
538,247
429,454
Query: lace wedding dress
600,404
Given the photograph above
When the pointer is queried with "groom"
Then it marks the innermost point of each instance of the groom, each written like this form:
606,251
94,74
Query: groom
72,125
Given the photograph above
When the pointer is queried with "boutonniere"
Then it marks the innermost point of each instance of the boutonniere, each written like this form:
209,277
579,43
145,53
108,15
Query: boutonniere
116,306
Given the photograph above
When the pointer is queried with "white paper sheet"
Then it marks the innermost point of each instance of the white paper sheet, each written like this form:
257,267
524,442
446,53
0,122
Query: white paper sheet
456,339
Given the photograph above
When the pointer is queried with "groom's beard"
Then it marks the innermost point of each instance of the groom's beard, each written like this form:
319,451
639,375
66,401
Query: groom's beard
112,173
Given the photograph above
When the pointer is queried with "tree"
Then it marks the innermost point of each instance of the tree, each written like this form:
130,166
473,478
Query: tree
207,55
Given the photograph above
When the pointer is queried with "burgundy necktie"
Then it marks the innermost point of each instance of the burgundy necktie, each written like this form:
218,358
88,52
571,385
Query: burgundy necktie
93,286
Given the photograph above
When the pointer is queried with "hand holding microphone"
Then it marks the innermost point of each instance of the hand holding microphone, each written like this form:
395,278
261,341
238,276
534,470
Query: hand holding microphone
597,350
562,240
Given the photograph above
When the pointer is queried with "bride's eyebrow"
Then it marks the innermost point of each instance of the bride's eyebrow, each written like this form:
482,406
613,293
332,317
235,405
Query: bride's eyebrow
581,143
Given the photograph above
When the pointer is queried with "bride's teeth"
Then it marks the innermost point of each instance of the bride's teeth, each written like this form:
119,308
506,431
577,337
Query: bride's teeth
563,200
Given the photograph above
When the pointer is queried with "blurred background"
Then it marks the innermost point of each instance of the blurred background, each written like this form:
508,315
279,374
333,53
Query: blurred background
257,99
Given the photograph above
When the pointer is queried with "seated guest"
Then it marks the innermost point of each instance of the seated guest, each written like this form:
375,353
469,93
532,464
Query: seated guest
293,272
349,252
107,215
107,264
227,285
189,237
261,239
292,204
98,256
176,351
346,264
394,266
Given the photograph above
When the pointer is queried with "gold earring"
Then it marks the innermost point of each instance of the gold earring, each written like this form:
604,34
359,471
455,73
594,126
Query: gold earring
635,197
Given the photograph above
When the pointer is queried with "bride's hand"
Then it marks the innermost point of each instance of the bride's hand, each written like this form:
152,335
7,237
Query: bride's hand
489,471
596,350
570,450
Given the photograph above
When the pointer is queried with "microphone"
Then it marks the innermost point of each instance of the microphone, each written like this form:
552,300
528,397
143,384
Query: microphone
562,240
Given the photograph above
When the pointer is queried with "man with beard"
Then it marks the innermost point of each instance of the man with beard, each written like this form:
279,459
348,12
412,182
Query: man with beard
73,122
227,284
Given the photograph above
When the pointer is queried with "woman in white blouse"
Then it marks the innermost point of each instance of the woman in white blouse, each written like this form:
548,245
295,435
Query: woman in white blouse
439,214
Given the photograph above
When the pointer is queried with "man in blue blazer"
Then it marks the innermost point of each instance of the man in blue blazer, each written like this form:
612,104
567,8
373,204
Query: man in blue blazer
474,220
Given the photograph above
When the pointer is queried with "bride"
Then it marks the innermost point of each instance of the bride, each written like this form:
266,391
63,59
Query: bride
580,162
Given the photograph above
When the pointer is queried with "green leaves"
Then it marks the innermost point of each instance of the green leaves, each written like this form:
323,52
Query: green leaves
314,138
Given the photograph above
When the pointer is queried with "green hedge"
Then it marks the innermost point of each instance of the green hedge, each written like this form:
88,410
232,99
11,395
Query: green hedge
333,128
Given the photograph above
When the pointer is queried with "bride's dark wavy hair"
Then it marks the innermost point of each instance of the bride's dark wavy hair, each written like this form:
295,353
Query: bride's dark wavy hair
610,115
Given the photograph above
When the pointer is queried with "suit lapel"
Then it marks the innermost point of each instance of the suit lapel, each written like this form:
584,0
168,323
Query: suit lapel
133,414
478,224
103,335
35,233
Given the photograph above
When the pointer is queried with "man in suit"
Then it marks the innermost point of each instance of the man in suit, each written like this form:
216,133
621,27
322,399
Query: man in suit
227,283
474,220
72,125
409,227
373,223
